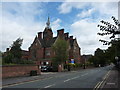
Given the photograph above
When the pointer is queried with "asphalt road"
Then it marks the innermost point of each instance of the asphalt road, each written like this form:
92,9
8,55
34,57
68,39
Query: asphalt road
86,78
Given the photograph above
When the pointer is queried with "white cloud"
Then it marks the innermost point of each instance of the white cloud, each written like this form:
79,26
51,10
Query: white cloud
104,8
13,30
86,13
85,30
56,25
67,7
23,11
86,33
18,20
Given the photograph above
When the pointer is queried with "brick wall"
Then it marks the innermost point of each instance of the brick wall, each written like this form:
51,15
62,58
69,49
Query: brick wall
18,70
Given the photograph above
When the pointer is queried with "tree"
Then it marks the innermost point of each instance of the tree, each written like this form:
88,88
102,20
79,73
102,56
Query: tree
14,54
113,51
61,52
92,60
100,57
7,59
113,30
16,50
109,29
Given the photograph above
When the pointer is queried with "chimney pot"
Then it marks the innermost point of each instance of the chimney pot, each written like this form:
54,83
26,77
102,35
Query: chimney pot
7,49
66,35
60,32
71,37
40,35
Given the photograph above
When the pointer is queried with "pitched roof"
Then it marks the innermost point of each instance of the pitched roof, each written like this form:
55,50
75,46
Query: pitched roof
47,43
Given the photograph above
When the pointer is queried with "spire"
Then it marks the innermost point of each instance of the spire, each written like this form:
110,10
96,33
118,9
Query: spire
48,22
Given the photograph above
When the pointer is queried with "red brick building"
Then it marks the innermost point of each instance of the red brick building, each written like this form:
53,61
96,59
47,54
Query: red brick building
41,48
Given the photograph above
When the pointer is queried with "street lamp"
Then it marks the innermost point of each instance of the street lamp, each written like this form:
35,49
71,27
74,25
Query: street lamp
84,66
117,62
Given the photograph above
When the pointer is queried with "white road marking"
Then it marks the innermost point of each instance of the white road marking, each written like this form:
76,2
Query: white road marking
84,74
67,80
71,79
75,77
49,86
96,86
102,82
106,75
111,83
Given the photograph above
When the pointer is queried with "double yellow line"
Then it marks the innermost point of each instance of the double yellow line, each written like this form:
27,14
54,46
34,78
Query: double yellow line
100,84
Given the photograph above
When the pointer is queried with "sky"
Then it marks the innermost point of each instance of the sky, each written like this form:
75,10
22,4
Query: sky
80,19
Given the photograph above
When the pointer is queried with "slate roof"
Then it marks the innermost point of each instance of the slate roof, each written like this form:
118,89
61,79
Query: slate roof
48,43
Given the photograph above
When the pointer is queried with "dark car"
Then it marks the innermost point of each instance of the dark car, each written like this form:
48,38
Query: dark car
49,68
46,68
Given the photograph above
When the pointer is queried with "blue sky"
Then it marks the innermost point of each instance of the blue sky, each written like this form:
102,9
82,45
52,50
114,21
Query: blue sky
80,19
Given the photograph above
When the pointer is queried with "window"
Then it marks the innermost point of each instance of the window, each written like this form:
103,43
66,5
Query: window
47,53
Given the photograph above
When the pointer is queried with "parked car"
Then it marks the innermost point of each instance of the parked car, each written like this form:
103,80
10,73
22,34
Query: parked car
46,68
49,68
43,68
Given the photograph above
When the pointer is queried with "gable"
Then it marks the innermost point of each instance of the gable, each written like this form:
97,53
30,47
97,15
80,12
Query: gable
36,43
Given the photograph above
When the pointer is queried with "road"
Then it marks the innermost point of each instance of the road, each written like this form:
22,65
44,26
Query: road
86,78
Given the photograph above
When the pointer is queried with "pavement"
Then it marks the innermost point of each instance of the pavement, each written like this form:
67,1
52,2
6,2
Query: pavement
111,80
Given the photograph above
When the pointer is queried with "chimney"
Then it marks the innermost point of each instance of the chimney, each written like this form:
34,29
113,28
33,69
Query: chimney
7,49
40,35
71,37
66,35
60,32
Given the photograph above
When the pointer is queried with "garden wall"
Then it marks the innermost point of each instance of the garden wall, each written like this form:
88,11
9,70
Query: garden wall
18,70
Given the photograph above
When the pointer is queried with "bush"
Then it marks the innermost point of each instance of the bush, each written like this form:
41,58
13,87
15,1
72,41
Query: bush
33,73
26,62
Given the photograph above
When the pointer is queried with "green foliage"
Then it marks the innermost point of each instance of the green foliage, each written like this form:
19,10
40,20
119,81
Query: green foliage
61,52
109,29
16,50
113,30
14,55
107,56
99,58
26,62
55,64
75,65
113,50
7,59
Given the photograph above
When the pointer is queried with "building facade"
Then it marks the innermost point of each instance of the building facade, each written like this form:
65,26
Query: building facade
41,49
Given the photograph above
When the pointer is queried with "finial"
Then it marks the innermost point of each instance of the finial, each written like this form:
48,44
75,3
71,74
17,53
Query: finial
48,22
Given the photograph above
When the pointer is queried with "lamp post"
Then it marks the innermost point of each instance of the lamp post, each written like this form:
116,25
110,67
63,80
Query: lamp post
116,58
84,66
